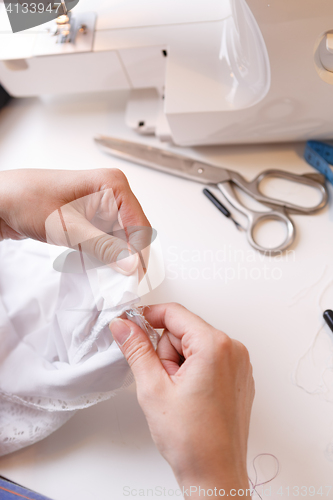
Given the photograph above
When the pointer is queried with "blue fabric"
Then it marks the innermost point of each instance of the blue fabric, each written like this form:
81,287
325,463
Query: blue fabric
10,491
319,155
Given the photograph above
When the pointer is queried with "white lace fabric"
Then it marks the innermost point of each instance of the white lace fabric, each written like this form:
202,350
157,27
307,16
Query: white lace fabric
57,353
22,426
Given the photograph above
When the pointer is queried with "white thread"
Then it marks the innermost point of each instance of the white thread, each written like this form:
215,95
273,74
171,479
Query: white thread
304,291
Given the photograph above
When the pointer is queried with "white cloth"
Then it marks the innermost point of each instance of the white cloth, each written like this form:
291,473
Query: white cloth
57,353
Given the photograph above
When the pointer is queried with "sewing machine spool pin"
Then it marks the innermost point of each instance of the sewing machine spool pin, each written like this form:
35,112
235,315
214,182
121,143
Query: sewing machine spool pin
68,26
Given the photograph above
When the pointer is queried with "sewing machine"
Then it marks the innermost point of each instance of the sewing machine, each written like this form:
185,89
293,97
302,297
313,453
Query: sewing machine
213,72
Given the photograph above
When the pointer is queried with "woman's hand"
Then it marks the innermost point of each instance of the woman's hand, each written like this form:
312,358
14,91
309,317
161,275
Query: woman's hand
72,208
196,392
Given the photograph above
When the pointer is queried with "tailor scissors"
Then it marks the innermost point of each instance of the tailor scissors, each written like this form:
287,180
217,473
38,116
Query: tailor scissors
186,167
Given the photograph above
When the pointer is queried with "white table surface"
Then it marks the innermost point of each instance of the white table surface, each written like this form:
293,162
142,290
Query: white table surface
105,448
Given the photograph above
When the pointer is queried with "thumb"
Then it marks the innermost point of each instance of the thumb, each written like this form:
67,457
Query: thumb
109,250
138,351
75,231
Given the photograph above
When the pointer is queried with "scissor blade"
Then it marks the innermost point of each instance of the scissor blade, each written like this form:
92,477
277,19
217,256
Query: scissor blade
161,159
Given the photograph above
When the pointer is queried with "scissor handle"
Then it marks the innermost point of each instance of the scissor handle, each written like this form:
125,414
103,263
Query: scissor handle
254,218
315,180
272,215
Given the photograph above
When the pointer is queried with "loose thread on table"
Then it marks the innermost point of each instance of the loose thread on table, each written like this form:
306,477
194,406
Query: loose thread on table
254,484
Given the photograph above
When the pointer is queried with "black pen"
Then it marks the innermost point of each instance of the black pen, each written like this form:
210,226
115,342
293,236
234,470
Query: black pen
221,207
328,317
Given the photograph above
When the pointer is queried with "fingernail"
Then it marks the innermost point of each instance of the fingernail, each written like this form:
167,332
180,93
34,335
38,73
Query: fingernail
120,331
127,262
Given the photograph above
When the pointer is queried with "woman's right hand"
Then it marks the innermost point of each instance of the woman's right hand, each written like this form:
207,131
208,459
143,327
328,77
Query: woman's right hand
196,392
